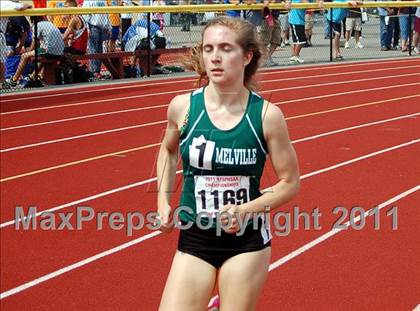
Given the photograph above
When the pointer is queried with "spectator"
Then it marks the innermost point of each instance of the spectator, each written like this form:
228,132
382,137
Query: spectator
157,17
115,21
386,27
39,3
338,14
297,24
185,17
135,30
60,21
99,31
354,23
285,27
327,28
76,35
18,35
233,13
395,30
416,31
270,30
125,17
51,45
309,25
136,39
404,22
254,16
5,5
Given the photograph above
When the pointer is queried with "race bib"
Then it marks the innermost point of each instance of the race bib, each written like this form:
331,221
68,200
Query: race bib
213,192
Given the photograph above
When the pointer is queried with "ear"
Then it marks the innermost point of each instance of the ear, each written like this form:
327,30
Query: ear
247,58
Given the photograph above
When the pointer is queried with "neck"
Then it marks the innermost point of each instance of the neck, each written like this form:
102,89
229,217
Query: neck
227,96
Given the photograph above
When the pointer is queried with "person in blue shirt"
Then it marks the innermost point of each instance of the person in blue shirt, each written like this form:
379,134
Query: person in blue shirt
134,30
233,13
135,39
336,16
297,26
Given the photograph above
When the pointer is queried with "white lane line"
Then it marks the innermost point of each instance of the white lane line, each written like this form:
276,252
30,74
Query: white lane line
90,198
346,93
153,234
140,183
191,89
337,74
77,265
413,115
333,232
166,105
164,81
164,121
81,136
85,117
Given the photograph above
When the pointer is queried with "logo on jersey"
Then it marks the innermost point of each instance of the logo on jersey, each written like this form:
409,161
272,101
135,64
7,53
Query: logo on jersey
201,153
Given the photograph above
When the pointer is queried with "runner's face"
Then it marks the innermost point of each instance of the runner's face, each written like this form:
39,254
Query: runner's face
223,57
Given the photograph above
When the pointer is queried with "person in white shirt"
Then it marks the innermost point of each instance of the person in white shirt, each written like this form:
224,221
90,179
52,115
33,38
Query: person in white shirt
7,5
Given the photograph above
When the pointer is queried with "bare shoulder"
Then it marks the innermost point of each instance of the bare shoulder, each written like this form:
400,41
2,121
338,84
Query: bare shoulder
178,108
274,122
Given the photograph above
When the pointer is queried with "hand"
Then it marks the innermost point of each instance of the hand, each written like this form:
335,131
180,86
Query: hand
165,218
231,212
288,5
321,4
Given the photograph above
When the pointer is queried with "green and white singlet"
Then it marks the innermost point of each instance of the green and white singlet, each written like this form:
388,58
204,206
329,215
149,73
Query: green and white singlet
221,166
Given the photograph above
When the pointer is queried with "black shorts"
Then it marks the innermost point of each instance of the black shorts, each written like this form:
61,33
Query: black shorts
336,28
298,34
215,250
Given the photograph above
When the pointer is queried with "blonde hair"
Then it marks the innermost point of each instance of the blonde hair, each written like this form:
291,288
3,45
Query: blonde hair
247,38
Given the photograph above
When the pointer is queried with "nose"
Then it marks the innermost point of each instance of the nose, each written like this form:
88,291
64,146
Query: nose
215,57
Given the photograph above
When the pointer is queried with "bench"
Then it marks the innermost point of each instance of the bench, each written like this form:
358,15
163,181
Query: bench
113,62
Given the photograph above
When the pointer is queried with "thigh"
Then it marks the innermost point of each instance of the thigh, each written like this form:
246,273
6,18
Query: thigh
358,24
349,23
189,285
241,279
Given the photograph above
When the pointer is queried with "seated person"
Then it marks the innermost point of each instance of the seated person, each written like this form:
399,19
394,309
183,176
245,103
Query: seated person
76,35
51,46
18,35
136,39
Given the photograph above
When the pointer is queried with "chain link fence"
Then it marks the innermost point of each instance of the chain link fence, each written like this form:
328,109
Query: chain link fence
72,48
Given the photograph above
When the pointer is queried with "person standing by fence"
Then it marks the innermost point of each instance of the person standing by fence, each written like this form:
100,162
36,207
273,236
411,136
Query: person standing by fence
99,32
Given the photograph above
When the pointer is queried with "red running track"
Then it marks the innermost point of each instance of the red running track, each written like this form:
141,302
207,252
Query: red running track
375,105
